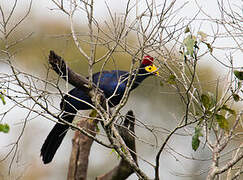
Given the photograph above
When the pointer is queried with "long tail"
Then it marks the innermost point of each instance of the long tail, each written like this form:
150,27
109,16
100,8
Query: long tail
54,139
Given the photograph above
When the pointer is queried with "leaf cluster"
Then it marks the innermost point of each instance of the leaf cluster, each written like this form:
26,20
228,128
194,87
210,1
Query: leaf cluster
4,128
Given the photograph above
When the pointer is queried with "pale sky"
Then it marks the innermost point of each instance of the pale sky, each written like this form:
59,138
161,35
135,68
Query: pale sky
42,10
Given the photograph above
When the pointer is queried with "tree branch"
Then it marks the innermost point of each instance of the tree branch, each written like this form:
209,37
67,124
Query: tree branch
96,94
59,66
124,170
79,159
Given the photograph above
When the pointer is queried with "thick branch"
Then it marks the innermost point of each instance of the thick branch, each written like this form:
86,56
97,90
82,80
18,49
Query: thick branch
96,94
79,159
124,170
60,67
216,170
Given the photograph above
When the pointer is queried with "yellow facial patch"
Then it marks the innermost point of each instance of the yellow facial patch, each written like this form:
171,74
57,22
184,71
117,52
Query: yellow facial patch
152,69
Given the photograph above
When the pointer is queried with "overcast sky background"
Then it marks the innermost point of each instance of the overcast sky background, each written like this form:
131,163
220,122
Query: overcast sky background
43,11
210,7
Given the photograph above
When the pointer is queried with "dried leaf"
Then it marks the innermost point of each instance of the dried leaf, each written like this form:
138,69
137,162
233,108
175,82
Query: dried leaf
236,97
202,35
231,111
187,30
190,42
209,47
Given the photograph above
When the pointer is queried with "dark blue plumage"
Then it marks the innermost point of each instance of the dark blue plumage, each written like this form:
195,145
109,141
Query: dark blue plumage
77,99
107,82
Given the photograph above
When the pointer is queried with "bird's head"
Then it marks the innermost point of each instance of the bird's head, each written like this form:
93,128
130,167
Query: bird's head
148,66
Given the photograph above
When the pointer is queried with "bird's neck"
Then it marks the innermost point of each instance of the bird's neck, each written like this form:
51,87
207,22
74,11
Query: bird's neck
141,75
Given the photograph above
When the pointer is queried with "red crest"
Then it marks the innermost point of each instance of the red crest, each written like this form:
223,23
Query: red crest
147,60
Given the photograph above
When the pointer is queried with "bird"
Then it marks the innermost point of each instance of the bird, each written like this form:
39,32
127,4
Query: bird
112,83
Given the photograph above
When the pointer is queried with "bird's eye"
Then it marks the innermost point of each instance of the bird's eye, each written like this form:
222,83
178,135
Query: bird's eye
150,68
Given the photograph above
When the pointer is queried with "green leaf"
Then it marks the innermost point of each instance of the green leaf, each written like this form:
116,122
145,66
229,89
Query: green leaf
195,142
201,119
208,113
190,42
239,74
4,128
198,131
93,113
239,84
195,138
231,111
236,97
208,100
222,122
205,100
123,150
2,98
97,128
171,79
114,151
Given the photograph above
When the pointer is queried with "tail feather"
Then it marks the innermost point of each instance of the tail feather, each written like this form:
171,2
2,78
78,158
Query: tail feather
54,140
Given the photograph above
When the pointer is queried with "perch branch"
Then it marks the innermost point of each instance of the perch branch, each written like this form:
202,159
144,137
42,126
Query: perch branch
59,66
79,159
124,170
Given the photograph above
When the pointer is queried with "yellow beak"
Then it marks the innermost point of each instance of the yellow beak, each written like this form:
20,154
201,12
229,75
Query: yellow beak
154,70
